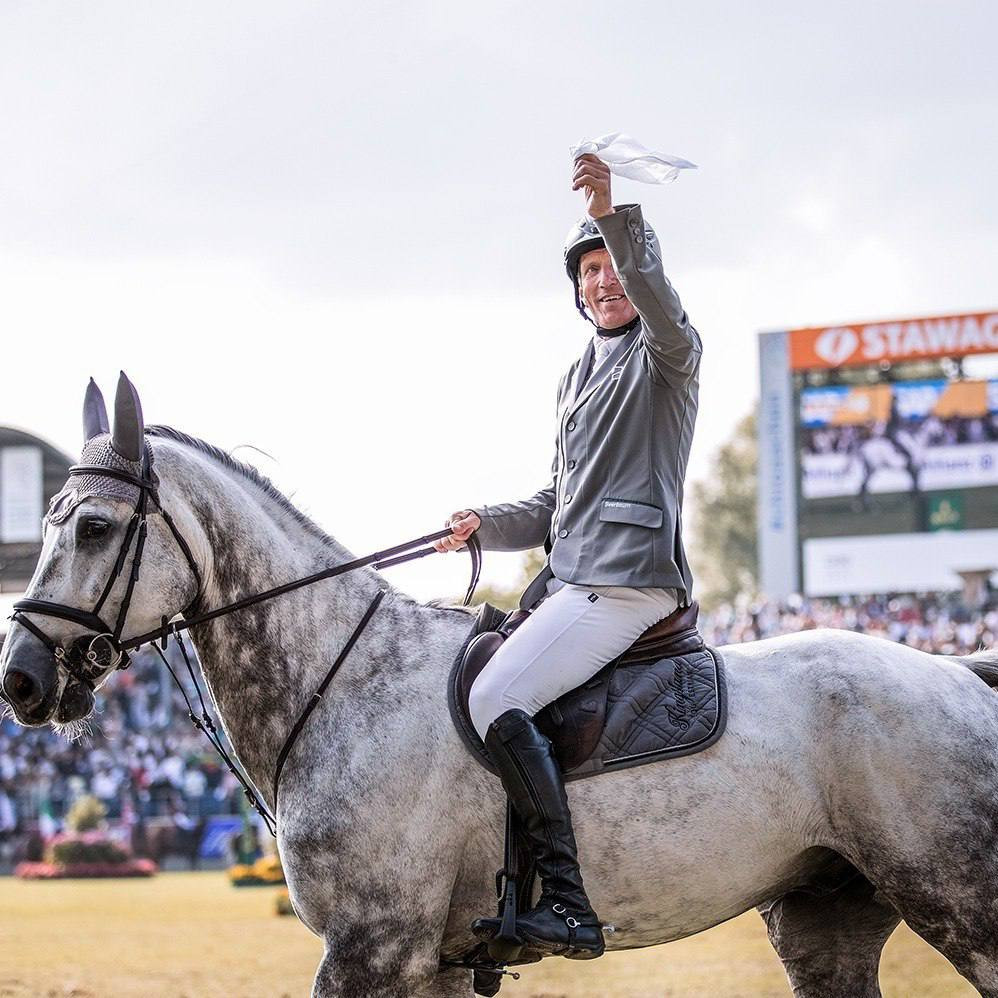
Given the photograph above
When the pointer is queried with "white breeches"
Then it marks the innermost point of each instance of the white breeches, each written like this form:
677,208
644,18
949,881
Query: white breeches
564,642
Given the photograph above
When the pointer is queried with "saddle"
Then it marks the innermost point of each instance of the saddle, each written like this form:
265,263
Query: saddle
664,696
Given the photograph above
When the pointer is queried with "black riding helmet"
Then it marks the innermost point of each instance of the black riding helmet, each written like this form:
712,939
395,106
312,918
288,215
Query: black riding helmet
582,237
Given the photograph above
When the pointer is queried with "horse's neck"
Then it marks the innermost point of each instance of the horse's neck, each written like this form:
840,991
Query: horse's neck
263,663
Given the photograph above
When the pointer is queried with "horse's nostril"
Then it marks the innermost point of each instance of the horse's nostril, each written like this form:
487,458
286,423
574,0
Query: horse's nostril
21,689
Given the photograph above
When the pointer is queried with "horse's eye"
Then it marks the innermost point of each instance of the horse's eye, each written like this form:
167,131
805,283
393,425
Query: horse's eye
90,528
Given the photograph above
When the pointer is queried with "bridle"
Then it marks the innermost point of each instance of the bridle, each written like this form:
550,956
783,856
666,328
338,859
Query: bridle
85,664
82,659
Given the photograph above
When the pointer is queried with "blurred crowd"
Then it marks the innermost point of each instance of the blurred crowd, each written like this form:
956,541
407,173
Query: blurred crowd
935,623
144,760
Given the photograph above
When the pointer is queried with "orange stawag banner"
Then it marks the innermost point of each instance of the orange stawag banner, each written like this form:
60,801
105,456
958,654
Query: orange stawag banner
894,340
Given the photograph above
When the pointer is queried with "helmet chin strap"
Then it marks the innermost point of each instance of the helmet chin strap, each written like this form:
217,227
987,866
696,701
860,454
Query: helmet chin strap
581,306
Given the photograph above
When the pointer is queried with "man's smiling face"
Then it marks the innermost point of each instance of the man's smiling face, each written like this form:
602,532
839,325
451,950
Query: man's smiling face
602,291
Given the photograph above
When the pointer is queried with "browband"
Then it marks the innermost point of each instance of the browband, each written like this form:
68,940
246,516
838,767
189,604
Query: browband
122,476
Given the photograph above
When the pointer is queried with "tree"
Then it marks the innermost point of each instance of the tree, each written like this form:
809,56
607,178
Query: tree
724,549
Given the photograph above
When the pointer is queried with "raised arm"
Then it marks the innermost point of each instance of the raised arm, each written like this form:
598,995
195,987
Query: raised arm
672,344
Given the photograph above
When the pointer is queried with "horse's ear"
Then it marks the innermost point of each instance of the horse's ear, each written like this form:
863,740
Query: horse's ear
94,413
127,438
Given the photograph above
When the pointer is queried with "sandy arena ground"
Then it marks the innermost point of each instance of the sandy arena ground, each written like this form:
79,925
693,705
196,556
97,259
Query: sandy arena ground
192,936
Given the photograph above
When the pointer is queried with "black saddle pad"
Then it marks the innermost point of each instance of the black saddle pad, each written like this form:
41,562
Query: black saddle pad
643,711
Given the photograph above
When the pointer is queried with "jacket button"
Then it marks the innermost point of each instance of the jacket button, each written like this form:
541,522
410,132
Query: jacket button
562,533
571,464
639,239
570,425
568,498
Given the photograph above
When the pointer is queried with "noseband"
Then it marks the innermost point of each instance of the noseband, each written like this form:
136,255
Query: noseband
82,659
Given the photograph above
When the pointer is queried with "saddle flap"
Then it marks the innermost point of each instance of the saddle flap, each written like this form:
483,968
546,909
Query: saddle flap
480,649
574,722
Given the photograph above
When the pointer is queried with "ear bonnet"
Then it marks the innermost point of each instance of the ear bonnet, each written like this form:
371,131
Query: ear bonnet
105,450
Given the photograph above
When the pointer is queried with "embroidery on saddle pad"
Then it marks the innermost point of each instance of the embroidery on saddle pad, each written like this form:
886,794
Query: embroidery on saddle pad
654,710
675,706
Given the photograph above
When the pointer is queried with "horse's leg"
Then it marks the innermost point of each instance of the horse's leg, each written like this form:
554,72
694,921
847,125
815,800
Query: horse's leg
932,848
830,945
376,967
382,937
451,983
958,920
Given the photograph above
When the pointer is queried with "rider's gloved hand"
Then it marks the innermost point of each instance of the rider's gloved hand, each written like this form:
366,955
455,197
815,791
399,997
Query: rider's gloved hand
463,523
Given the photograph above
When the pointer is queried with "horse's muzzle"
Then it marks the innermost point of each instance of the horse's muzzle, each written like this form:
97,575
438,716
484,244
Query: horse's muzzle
30,684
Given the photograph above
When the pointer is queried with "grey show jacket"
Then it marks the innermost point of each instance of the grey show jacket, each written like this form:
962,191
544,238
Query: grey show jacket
612,510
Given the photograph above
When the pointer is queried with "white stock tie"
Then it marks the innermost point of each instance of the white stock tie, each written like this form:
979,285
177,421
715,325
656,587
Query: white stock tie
604,344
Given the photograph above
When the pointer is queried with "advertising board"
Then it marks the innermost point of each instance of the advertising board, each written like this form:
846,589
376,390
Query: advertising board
878,463
893,341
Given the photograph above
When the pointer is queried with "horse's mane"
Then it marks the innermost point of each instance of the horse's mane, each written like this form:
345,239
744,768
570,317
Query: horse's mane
262,482
247,471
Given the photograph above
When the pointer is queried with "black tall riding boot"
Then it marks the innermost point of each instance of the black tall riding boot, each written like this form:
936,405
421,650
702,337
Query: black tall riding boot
563,921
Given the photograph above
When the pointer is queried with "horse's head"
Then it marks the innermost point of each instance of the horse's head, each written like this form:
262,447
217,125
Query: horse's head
87,593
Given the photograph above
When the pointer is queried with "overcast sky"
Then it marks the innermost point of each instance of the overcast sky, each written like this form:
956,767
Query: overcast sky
334,232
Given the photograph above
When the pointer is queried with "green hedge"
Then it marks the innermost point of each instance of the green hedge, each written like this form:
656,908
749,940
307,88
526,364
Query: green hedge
71,850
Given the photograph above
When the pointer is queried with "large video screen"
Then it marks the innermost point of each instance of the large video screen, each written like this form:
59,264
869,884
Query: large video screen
907,436
878,455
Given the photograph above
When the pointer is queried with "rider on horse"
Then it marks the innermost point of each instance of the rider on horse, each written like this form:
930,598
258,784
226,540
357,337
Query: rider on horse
626,411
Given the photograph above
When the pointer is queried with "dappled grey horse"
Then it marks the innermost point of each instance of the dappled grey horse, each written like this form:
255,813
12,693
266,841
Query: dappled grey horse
856,785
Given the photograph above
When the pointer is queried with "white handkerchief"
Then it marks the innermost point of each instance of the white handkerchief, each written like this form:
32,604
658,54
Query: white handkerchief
629,158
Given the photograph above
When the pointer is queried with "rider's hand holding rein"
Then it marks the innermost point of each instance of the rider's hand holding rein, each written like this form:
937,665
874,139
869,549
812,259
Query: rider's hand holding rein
463,523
